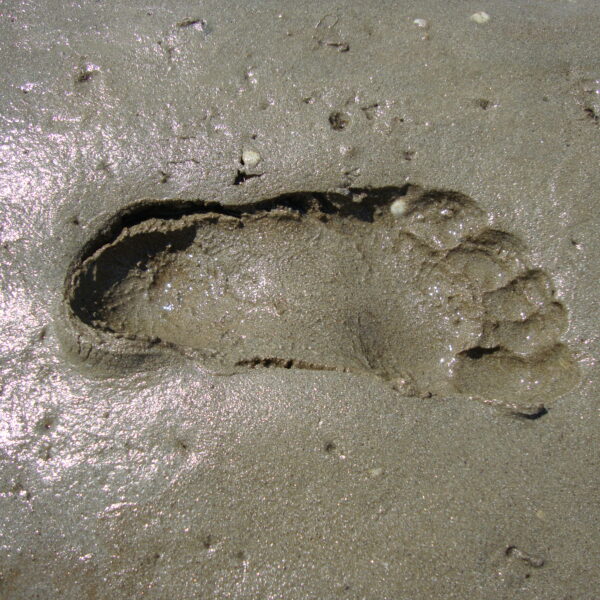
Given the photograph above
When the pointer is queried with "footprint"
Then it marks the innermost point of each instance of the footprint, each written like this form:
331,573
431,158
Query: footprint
405,284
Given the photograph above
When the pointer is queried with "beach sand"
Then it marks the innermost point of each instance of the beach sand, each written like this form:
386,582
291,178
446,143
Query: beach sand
299,300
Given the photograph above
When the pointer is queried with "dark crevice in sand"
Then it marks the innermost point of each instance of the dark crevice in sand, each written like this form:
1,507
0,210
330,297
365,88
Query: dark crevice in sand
301,202
537,413
242,177
477,352
285,363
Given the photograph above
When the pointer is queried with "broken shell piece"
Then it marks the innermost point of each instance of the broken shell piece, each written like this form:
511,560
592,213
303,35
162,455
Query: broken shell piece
398,207
250,158
480,17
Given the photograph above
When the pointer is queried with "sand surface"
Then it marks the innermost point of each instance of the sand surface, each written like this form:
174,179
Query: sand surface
299,300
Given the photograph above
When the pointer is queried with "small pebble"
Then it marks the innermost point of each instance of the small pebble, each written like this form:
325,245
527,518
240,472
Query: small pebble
421,23
480,17
398,207
250,158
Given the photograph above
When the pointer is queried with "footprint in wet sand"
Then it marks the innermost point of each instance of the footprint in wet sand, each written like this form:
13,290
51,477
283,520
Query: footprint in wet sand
406,284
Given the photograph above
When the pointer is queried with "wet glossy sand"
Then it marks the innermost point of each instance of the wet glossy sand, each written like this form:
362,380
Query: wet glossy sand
287,429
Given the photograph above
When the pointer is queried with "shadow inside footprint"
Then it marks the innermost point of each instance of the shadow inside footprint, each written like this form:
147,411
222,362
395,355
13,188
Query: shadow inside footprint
401,283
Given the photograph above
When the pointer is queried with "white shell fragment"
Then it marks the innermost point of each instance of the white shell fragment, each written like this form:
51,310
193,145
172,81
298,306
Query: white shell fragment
398,207
480,17
250,158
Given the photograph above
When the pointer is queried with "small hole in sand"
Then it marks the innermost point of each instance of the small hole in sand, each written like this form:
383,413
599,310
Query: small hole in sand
83,76
338,121
182,445
46,424
592,115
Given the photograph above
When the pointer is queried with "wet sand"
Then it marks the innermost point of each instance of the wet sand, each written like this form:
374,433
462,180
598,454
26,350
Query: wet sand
299,301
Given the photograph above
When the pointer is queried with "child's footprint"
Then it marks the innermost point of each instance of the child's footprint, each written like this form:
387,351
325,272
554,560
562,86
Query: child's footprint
405,284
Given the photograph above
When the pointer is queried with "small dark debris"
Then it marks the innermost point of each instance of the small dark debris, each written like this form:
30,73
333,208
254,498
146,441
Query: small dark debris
164,176
592,115
207,542
46,423
370,111
19,490
329,447
483,103
84,75
349,176
408,154
338,121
